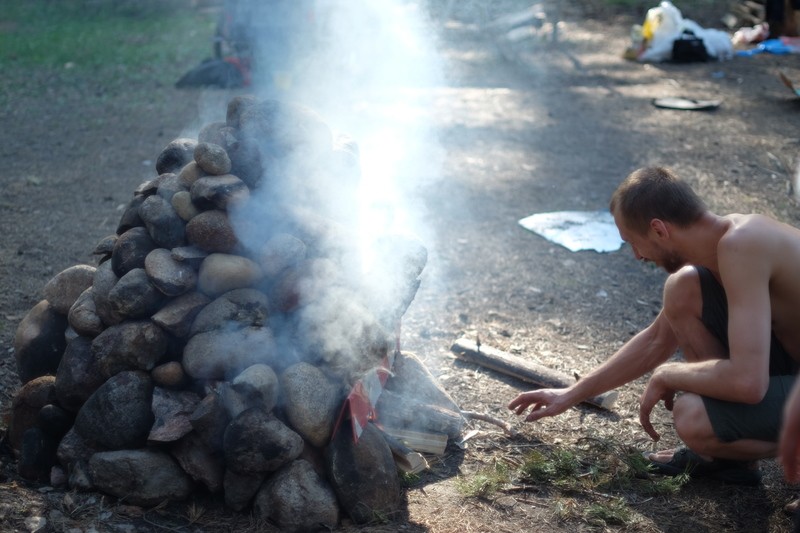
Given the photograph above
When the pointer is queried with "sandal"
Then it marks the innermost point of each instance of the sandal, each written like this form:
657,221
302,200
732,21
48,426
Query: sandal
685,461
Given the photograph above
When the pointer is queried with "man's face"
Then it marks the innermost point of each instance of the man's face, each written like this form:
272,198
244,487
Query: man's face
650,247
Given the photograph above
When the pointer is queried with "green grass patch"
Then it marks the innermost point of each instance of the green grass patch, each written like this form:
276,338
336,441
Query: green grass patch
101,35
486,482
556,466
592,481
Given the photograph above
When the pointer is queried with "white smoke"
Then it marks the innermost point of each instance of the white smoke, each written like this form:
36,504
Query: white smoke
366,67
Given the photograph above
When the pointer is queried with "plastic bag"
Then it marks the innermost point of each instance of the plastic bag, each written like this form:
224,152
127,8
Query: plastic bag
664,25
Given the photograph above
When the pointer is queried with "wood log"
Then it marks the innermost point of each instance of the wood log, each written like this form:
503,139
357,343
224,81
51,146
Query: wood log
406,459
523,369
420,441
411,378
406,412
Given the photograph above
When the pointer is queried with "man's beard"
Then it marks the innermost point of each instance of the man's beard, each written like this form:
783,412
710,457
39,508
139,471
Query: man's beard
672,263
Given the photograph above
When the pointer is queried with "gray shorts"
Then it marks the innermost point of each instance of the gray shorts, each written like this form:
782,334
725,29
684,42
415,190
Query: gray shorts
733,421
761,421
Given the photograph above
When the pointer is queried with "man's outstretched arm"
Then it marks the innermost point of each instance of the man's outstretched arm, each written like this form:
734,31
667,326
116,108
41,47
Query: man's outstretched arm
644,352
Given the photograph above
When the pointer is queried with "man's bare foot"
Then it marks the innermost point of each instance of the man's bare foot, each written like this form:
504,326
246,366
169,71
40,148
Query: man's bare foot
665,456
684,461
661,456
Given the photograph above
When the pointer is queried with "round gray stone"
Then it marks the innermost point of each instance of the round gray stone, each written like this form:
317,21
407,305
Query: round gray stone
66,286
212,158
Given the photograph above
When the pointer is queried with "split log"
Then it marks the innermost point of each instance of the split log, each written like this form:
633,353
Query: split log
407,460
420,441
523,369
409,413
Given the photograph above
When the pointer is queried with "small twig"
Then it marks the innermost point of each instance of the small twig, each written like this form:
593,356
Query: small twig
472,415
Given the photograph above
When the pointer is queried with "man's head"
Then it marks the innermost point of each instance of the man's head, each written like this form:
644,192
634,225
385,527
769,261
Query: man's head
645,203
655,192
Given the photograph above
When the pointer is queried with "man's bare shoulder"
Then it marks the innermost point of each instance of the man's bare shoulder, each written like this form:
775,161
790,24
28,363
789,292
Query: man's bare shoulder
758,238
757,228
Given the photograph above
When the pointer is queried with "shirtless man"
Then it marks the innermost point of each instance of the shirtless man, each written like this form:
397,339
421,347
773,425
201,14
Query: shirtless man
732,306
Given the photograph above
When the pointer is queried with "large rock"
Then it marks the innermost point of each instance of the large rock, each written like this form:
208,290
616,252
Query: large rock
104,281
130,217
257,386
342,333
54,420
25,407
162,222
77,376
191,255
364,475
132,345
298,500
83,316
256,442
168,185
240,489
142,477
209,420
311,402
39,342
219,192
74,449
220,273
37,455
215,133
118,414
246,161
130,250
212,231
223,354
232,310
183,205
190,173
200,462
171,410
66,286
177,316
280,252
175,155
169,276
134,296
212,158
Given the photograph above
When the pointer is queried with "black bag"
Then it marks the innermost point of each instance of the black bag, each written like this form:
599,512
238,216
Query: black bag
689,48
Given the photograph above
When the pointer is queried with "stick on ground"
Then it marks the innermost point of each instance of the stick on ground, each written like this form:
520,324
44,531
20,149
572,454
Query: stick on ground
523,369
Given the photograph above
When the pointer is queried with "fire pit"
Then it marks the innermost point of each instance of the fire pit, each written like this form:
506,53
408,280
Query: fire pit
232,339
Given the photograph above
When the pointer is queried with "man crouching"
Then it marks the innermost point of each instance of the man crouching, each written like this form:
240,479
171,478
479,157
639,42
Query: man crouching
731,305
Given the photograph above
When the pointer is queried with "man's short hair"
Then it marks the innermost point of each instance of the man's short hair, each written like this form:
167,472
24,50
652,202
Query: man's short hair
655,192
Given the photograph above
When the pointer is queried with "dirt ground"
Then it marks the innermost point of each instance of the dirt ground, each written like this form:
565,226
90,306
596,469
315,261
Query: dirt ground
552,123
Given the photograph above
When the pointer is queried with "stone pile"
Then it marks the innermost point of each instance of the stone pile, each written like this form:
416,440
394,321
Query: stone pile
214,343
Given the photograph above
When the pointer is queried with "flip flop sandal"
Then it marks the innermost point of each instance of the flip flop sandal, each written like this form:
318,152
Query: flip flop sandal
685,461
686,104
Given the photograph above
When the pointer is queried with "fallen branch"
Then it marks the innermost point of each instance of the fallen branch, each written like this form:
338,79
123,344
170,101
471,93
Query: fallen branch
507,429
522,369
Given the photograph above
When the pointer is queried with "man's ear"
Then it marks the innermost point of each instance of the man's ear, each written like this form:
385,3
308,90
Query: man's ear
659,227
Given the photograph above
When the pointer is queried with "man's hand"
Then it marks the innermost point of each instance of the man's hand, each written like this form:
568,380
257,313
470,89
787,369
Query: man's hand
789,443
543,402
654,393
